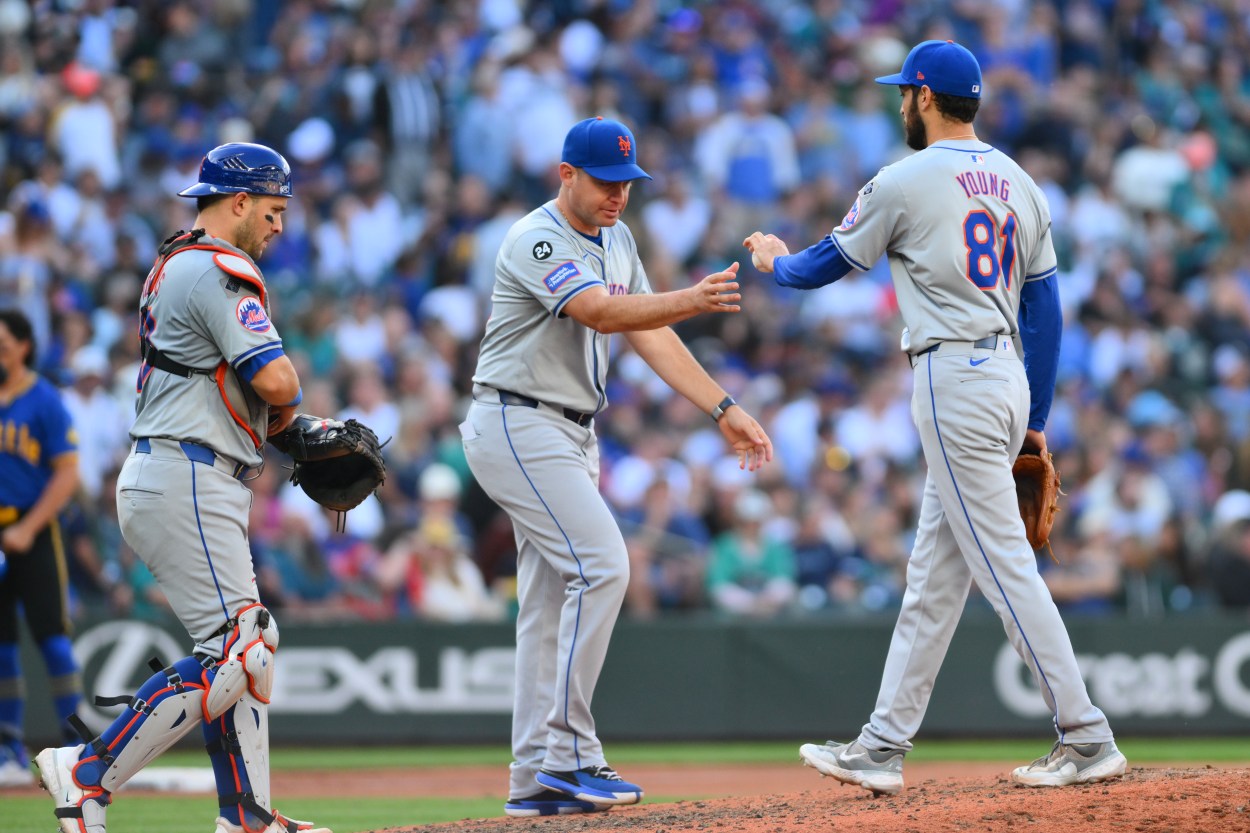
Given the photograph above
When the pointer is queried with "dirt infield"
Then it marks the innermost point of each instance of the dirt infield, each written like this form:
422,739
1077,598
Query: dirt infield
786,798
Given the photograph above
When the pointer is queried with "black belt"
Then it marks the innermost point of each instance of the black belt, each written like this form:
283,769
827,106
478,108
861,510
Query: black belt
507,397
987,343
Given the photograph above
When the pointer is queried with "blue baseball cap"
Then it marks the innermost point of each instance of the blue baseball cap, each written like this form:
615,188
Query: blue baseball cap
941,65
604,148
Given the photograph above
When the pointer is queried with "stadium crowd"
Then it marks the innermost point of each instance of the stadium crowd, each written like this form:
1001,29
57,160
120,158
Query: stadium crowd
420,131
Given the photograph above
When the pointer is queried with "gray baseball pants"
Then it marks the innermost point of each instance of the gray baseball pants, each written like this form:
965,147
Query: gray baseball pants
572,569
188,523
971,407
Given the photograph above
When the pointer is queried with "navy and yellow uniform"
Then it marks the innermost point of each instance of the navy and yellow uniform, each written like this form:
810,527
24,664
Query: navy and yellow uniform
35,433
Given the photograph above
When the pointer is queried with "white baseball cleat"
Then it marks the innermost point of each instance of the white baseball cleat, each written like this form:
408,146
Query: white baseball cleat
1073,763
280,824
77,809
879,772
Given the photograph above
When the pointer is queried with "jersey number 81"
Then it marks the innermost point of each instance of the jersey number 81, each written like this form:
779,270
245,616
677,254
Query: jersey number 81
985,262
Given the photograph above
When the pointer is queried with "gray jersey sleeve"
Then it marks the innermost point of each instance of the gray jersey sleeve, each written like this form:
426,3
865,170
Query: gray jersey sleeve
230,313
869,227
546,267
1043,263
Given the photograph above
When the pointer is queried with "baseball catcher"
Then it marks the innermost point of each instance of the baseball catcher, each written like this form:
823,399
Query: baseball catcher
1037,491
337,464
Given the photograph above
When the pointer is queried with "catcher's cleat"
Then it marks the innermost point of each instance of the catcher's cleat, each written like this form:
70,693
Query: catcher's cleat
879,772
280,824
595,784
79,809
549,803
1073,763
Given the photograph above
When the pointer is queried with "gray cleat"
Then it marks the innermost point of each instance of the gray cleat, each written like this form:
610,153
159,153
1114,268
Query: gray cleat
1073,763
880,772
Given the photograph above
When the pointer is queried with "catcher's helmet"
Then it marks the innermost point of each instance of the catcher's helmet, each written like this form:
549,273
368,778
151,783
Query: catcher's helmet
242,167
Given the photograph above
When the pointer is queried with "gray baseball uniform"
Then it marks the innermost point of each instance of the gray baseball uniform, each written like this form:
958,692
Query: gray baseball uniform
205,309
530,442
965,227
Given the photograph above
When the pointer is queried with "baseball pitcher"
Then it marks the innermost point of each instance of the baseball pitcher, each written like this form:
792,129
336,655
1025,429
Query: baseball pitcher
967,233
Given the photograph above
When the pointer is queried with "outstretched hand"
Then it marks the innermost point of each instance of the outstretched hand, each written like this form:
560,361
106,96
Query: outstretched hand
764,249
718,292
747,438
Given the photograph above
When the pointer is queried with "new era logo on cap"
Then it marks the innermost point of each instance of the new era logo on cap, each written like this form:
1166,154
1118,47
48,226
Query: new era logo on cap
941,65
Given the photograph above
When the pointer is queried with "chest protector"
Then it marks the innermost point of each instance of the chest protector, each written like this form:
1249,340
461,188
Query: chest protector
153,357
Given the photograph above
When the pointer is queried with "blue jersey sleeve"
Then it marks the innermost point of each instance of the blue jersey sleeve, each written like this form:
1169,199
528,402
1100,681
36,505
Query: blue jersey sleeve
1041,328
818,265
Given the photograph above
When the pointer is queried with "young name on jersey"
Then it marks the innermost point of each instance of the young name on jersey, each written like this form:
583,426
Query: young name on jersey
980,183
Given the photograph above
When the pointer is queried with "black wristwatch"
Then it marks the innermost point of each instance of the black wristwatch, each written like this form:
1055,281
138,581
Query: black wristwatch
719,410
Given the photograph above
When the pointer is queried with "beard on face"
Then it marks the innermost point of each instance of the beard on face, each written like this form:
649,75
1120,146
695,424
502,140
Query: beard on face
913,127
251,239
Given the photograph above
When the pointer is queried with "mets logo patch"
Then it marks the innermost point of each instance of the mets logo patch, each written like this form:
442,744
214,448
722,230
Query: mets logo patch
851,216
560,275
251,314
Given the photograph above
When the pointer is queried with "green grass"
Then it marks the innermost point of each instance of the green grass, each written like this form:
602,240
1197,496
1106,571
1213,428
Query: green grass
194,814
191,814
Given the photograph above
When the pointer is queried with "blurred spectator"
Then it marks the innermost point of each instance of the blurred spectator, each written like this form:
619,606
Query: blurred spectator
432,576
823,546
677,220
102,426
408,106
749,573
749,162
1229,550
667,546
86,114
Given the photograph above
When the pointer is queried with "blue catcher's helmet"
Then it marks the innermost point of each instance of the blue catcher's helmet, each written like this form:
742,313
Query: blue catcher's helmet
242,167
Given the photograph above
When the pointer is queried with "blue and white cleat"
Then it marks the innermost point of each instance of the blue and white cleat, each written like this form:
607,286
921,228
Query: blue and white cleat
595,784
549,803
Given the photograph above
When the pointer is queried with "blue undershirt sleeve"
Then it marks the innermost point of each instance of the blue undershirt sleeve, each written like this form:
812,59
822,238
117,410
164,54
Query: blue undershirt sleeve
1041,328
250,363
818,265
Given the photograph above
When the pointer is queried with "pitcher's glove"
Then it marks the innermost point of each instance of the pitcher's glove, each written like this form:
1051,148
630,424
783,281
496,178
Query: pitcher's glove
1037,491
337,464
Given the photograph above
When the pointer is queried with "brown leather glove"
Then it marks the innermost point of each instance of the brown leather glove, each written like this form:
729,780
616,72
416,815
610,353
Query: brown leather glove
1037,491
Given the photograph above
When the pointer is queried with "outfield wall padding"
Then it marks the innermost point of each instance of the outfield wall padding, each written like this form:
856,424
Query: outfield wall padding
693,678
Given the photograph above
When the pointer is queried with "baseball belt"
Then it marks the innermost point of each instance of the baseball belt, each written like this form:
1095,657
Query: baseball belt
508,397
987,343
197,453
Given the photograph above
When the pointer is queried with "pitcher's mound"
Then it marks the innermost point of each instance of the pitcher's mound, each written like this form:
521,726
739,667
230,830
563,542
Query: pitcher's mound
1146,799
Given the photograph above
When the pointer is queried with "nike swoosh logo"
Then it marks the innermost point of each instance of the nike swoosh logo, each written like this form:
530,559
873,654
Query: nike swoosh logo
975,362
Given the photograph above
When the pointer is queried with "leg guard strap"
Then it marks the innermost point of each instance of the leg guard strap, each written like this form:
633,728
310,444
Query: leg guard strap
97,745
164,709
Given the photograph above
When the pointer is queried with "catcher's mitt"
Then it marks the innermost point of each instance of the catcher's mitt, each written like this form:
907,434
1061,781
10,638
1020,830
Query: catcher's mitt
337,464
1037,491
